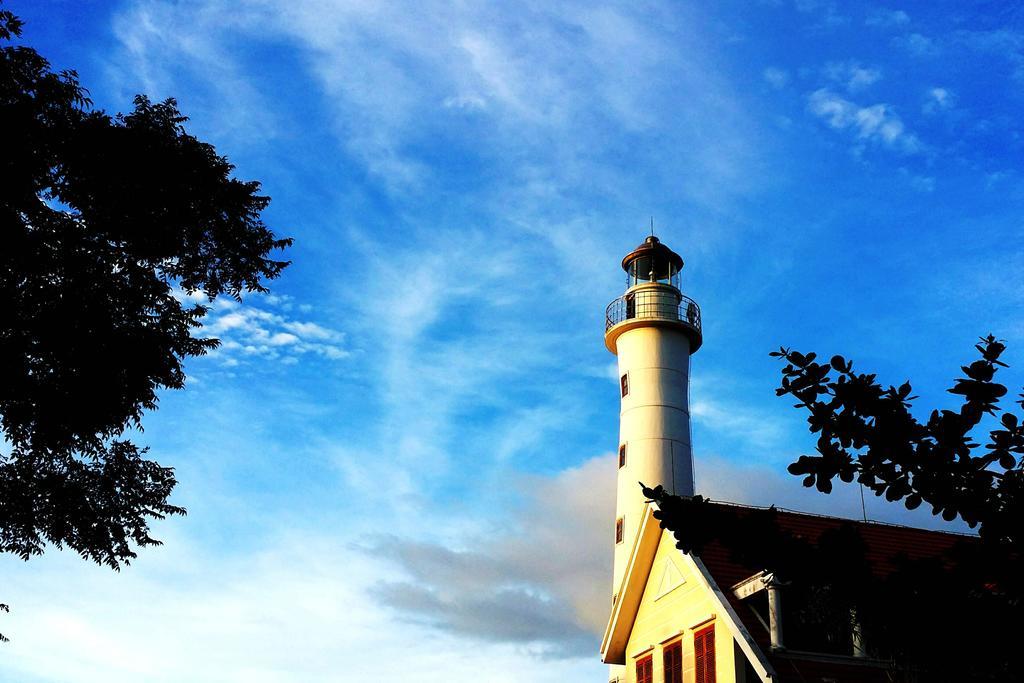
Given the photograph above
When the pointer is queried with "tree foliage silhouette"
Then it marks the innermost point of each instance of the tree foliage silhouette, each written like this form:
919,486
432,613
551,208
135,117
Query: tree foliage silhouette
104,218
867,433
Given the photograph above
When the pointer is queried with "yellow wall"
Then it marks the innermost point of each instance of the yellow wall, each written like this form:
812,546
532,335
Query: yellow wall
660,620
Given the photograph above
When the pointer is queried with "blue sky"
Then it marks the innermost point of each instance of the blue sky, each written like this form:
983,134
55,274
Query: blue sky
399,465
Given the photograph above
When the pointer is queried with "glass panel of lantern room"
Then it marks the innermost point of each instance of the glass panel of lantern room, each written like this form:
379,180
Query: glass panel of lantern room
640,270
663,271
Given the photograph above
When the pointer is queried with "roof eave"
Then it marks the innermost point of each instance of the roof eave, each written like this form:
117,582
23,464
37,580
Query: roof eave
631,589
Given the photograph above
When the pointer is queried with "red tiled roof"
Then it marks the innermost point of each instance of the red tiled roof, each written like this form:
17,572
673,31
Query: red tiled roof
884,542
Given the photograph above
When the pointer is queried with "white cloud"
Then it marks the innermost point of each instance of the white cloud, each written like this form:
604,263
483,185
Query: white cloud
826,10
543,578
917,44
299,609
524,592
852,75
1006,44
467,102
922,183
938,99
545,81
249,329
887,18
149,35
726,480
733,419
875,123
996,178
309,330
775,77
426,379
282,339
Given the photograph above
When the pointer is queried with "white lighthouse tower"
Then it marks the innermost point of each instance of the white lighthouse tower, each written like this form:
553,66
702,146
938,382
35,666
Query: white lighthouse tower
653,329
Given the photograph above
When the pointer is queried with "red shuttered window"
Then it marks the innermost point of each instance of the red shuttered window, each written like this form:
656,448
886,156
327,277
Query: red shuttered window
672,657
704,655
645,670
624,385
622,455
620,524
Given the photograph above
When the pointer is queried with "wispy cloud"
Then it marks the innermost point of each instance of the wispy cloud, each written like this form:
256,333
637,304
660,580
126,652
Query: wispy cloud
542,579
467,101
875,123
1004,43
917,44
776,77
938,99
732,420
544,81
426,379
826,11
263,329
921,183
158,48
727,480
887,18
851,75
300,608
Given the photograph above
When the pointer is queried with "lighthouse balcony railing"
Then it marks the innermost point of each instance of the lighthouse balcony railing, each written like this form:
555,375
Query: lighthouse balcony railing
653,305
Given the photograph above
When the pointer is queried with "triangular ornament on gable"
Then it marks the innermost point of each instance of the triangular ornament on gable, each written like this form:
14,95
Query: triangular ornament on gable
671,578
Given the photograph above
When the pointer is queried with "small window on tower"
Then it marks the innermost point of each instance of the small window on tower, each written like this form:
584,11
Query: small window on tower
620,523
622,455
624,382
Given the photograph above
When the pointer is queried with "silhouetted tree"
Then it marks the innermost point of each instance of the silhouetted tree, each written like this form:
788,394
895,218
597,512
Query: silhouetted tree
104,220
867,433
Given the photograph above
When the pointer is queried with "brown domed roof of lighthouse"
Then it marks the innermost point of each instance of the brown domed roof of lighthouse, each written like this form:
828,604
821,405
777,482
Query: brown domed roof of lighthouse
652,246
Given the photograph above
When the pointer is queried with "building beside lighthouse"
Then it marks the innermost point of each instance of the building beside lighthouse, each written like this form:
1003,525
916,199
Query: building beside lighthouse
682,618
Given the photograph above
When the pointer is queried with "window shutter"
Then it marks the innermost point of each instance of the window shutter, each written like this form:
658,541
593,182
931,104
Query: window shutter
645,670
620,524
672,657
709,654
704,655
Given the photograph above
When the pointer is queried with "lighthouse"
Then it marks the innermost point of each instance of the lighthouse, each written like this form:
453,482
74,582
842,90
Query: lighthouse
652,329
